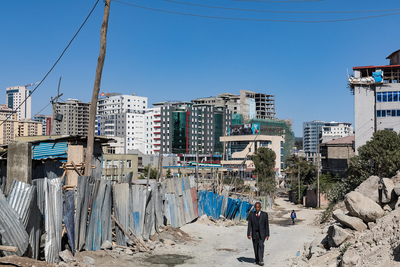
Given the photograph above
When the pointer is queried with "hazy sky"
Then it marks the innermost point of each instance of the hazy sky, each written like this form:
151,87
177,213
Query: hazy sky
167,56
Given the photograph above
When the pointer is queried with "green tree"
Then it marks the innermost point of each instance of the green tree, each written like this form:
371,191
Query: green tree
307,169
264,163
153,172
168,173
380,156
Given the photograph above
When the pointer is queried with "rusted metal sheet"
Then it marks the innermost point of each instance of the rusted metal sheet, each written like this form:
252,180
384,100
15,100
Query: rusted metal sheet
193,193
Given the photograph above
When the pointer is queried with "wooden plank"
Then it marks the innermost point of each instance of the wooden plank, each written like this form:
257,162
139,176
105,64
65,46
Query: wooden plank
9,248
75,154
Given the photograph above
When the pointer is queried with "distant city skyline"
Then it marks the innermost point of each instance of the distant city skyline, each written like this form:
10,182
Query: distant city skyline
168,56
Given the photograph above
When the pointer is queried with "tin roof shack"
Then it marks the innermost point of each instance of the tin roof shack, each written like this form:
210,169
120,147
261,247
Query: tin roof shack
49,155
335,155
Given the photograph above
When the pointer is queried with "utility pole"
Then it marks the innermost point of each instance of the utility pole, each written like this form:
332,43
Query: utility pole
298,178
96,89
223,158
53,102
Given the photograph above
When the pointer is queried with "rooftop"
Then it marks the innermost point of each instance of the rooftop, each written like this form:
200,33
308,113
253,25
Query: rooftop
341,141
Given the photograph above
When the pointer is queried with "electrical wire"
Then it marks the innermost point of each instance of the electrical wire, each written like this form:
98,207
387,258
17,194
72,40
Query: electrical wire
59,58
283,1
249,19
277,11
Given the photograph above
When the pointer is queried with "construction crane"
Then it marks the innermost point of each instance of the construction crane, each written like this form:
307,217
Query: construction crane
31,84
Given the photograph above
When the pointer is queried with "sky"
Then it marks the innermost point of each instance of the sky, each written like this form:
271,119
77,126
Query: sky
171,56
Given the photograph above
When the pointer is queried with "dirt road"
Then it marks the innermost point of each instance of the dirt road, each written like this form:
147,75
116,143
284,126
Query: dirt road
228,246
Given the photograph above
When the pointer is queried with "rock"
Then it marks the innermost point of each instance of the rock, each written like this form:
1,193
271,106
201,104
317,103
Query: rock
169,242
319,241
386,207
350,258
362,207
396,190
370,188
106,245
128,252
67,256
337,235
351,222
88,260
371,225
397,205
63,264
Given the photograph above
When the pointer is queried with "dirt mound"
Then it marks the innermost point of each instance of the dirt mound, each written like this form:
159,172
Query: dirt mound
23,262
171,233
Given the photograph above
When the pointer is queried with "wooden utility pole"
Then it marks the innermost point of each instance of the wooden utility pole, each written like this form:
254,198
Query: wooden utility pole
298,178
53,102
96,89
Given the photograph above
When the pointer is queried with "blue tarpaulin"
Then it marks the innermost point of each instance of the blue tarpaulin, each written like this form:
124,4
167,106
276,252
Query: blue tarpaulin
378,76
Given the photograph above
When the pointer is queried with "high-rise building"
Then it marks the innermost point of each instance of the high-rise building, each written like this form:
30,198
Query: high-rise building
376,92
123,116
75,118
11,127
46,123
316,132
312,133
153,131
249,104
15,96
186,127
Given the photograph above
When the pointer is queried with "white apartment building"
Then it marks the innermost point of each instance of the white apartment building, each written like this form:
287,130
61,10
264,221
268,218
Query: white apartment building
153,131
376,92
15,96
123,116
334,130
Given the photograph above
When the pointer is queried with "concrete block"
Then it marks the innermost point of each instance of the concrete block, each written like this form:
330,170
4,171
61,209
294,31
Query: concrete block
19,163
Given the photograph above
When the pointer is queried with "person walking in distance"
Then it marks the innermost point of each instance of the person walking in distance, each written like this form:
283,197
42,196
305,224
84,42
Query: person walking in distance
293,216
258,231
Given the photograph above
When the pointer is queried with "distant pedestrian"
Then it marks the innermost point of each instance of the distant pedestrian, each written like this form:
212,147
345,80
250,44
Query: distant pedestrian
293,216
258,231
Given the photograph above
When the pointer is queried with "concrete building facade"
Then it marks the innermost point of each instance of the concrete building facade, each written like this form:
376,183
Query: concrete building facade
242,147
248,103
334,130
123,116
46,122
312,132
335,155
376,92
75,118
152,131
115,166
185,127
15,96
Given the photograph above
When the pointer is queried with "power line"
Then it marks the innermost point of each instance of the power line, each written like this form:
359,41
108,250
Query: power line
59,58
283,1
281,11
249,19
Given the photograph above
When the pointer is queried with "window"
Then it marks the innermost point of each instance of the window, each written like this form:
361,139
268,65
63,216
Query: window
129,163
395,96
384,97
390,96
383,113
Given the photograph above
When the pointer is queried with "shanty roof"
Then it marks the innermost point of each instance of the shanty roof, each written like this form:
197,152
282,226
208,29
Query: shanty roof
344,140
376,67
392,54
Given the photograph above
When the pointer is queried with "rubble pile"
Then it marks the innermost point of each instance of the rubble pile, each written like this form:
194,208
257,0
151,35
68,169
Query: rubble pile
366,230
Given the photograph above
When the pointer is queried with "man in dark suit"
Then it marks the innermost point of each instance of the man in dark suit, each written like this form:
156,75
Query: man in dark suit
258,231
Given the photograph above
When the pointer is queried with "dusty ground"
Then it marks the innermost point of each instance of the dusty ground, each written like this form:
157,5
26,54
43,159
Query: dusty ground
218,244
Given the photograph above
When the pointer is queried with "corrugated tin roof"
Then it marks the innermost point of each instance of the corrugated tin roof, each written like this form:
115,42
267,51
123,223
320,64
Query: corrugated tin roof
50,150
343,140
